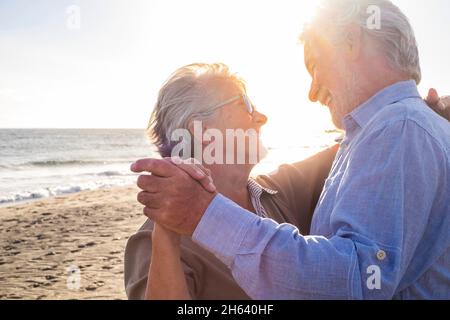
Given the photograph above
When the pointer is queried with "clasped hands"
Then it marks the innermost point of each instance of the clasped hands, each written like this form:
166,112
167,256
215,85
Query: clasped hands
176,193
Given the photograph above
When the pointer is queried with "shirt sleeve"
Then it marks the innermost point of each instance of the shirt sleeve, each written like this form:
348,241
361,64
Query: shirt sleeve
384,199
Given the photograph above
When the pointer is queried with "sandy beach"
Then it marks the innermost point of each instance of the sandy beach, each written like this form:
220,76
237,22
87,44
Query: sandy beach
68,247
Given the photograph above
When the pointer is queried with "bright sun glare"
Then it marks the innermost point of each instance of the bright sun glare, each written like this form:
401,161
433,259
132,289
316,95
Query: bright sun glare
259,40
110,70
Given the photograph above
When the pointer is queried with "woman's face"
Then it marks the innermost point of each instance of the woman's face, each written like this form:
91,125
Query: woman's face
240,126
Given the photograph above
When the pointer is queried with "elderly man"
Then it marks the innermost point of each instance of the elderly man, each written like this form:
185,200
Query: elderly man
382,220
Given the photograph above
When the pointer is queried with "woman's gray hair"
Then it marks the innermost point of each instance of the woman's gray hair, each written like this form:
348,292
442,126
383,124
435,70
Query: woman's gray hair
394,34
189,95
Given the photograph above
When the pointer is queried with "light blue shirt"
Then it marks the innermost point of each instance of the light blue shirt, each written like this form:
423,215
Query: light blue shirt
382,221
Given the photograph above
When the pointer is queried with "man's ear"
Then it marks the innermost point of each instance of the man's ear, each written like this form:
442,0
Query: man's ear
353,41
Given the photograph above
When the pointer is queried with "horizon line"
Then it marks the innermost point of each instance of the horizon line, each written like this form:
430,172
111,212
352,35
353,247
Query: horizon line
68,128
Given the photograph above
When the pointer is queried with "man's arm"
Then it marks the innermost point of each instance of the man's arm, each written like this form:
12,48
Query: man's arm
377,222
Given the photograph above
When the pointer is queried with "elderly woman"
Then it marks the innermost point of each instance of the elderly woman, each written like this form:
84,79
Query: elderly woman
162,265
179,268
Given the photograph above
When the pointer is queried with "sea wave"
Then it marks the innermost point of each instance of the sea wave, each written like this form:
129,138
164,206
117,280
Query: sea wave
50,163
114,173
59,190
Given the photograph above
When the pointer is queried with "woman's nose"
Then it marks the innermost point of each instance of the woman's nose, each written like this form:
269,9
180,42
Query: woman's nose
259,118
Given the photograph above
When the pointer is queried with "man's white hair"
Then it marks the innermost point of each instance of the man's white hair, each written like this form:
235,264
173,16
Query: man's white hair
394,35
189,95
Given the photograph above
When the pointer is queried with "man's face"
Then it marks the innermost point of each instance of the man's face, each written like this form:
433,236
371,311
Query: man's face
332,79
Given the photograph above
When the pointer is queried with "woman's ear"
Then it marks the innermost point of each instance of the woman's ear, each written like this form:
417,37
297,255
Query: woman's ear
199,132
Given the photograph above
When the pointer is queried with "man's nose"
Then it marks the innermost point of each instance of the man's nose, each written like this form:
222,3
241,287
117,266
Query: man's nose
259,118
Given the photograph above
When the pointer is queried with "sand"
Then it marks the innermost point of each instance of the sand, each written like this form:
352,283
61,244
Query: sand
68,247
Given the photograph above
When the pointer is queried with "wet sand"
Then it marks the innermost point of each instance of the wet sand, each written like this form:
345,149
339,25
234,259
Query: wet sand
68,247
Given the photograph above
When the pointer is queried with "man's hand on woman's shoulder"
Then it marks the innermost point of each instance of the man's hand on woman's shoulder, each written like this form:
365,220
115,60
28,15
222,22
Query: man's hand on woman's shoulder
440,105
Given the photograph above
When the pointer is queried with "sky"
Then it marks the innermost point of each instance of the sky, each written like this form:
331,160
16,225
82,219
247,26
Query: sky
100,63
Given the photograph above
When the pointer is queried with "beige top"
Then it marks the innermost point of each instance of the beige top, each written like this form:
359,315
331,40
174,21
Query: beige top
288,195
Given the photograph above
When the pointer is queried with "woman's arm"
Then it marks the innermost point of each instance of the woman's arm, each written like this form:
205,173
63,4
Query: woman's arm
166,280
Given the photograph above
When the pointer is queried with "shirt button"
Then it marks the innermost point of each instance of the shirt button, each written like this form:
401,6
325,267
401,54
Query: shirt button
381,255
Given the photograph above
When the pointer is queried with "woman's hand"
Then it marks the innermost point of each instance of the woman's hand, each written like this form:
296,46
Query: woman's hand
166,280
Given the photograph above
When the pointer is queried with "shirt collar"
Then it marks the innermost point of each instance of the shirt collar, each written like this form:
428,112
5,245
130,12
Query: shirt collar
361,116
253,185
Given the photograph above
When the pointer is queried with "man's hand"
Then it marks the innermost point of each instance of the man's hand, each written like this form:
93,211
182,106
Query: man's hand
197,172
440,105
170,196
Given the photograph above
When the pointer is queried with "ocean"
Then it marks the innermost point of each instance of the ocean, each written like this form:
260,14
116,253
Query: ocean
41,163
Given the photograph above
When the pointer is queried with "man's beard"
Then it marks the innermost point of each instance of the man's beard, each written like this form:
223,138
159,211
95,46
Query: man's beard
346,102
